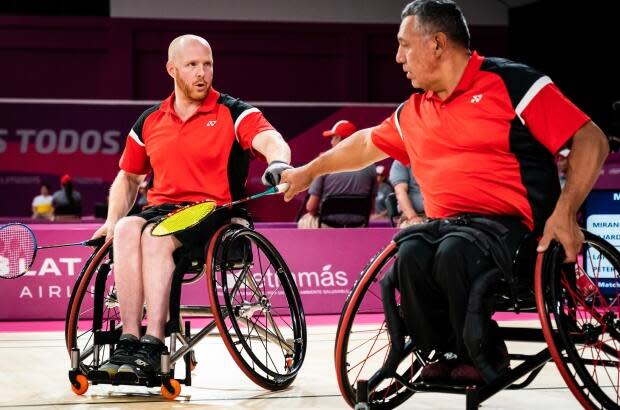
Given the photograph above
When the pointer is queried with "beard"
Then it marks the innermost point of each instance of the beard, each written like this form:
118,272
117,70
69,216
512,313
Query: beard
192,93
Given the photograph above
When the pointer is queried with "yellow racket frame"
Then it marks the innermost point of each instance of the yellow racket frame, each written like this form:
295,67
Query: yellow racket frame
183,218
191,215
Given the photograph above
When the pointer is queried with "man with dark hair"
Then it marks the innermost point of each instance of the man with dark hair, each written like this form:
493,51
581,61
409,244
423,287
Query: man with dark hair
481,138
197,143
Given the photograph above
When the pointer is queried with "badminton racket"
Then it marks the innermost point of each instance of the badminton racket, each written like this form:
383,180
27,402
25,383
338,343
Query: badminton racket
191,215
18,248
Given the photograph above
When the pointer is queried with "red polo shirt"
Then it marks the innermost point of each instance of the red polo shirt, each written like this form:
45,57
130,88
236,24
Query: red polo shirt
206,156
487,148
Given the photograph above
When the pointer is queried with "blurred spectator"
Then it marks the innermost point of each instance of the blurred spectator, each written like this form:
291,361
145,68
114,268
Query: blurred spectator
42,204
384,188
561,160
67,202
351,183
408,195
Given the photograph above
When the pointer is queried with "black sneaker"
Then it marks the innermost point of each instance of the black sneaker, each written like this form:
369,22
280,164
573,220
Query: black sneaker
126,347
147,360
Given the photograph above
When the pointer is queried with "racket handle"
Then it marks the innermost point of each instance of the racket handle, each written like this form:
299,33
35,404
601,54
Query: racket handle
283,187
95,242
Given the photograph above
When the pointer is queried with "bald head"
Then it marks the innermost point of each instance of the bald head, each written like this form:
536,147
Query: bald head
190,64
182,42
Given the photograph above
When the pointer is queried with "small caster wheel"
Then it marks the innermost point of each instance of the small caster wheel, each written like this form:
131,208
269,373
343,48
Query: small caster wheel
82,382
176,390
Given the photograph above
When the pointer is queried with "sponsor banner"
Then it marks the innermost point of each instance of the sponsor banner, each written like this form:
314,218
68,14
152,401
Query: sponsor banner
325,264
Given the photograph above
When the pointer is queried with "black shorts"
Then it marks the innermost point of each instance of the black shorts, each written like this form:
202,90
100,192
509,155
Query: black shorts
194,239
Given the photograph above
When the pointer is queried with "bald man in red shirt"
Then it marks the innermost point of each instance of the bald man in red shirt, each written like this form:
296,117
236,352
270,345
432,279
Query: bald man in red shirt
480,137
197,144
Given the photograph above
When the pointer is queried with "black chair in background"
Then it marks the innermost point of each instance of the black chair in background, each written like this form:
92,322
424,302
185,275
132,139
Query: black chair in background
357,208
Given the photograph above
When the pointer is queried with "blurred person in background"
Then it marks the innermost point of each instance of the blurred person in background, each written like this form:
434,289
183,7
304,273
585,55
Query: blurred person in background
384,188
408,195
42,204
67,202
342,183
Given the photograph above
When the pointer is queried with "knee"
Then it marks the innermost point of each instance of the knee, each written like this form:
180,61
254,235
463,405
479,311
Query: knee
450,251
453,258
128,229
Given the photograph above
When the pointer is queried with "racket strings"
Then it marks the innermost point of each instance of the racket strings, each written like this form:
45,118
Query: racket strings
184,218
17,250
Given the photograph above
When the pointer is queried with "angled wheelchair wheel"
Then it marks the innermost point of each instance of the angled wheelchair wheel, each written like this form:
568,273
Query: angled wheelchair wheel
362,341
256,306
93,317
579,306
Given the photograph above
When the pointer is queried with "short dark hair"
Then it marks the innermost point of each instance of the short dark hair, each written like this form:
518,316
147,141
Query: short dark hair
440,15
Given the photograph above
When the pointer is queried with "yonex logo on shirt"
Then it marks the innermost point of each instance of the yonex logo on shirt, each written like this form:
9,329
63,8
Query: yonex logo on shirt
476,98
211,123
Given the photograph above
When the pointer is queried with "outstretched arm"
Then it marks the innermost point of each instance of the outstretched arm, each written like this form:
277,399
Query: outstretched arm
277,152
588,152
353,153
273,147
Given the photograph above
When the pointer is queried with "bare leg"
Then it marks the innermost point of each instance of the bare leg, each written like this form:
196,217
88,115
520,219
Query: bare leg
128,272
157,269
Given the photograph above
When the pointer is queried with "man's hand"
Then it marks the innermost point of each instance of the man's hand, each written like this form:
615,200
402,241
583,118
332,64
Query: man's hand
562,226
299,179
273,173
107,230
411,220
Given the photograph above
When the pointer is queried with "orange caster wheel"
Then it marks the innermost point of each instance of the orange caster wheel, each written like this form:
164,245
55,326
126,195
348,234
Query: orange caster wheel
83,385
176,390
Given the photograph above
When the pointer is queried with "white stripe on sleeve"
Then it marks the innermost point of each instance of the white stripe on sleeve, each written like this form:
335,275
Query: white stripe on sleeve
530,94
396,120
134,136
242,116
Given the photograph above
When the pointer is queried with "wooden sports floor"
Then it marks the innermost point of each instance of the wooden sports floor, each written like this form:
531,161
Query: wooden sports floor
34,365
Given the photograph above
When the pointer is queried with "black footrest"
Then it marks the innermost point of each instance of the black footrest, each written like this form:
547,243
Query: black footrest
99,376
127,378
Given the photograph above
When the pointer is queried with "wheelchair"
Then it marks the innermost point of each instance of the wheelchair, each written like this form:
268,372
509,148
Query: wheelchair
254,305
579,310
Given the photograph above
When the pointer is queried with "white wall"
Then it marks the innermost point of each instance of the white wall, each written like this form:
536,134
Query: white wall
477,12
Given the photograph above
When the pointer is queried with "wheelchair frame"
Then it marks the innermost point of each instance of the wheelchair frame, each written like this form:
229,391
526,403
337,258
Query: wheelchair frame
221,261
553,279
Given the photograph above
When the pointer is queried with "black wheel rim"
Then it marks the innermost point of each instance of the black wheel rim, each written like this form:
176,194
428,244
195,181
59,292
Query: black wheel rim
265,310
